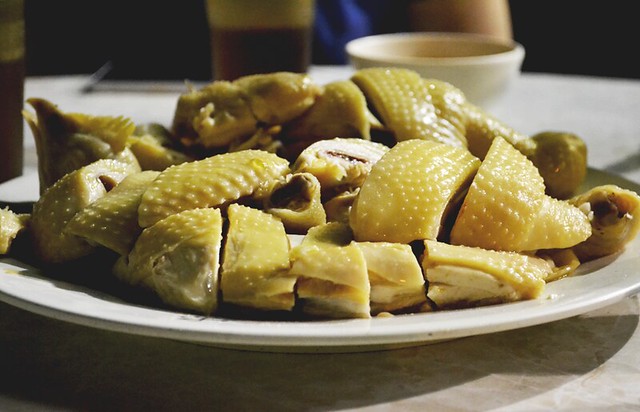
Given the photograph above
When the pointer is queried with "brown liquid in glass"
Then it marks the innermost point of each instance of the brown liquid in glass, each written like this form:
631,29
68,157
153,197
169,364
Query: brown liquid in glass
11,123
240,52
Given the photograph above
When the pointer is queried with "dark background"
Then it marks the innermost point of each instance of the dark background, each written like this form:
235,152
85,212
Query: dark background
169,39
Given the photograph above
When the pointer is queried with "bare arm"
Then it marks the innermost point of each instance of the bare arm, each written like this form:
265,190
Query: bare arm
491,17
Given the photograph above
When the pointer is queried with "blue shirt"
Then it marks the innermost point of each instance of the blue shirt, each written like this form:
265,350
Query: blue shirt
339,21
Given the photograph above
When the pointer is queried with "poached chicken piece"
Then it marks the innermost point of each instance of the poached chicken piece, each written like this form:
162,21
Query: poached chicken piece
456,209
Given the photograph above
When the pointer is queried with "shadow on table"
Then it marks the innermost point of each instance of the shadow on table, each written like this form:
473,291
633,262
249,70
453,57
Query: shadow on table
75,367
625,165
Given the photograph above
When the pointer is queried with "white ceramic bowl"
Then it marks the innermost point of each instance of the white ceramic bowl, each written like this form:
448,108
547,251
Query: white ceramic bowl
482,67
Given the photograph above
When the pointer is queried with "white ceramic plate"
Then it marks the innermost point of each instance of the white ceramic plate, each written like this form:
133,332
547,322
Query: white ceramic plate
597,284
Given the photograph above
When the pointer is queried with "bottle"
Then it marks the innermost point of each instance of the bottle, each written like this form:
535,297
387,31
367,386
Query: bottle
12,75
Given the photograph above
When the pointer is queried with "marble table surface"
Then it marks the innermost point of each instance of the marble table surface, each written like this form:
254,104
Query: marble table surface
585,362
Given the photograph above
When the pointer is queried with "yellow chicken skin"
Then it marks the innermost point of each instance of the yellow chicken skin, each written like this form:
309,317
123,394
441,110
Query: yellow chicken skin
614,214
482,129
411,107
67,141
395,276
404,103
410,191
339,164
152,146
211,182
253,274
210,230
296,200
214,116
338,207
178,260
506,208
112,220
461,276
11,225
332,274
223,112
561,158
62,201
277,98
340,110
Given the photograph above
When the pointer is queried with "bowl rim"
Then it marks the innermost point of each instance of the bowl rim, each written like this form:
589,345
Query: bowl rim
514,51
